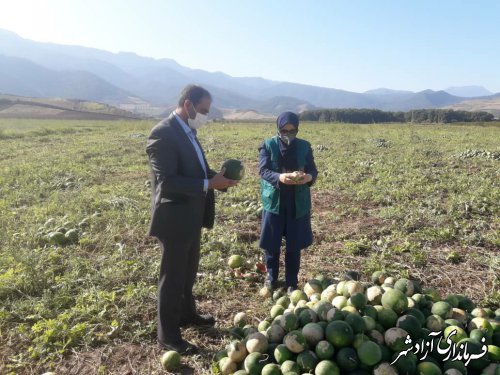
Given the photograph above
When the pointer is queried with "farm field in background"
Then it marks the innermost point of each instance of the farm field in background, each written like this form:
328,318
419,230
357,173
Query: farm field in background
420,201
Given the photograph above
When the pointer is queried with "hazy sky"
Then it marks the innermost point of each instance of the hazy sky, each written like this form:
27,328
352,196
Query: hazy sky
354,45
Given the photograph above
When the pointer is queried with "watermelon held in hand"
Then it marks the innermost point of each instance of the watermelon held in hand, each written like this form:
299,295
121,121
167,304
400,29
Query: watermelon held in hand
235,170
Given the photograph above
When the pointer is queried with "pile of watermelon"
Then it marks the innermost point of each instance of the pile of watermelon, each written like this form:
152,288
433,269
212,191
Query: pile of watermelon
386,327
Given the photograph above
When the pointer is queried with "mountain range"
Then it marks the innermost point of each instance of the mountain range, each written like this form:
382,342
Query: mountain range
151,86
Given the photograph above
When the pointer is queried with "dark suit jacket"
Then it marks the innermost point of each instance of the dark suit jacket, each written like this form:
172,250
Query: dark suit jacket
177,181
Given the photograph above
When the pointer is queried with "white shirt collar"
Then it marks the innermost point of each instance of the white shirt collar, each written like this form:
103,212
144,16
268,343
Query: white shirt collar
184,126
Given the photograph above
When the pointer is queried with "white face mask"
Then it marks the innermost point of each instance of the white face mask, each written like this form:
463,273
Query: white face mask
198,121
287,139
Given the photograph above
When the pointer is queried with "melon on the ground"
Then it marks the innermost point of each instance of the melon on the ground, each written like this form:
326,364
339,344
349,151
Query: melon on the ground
458,335
227,367
350,310
480,336
326,367
457,365
352,287
220,354
282,354
395,300
275,333
339,333
386,317
324,350
442,309
370,311
474,347
271,369
339,302
283,301
295,341
376,336
235,170
493,353
390,280
378,277
257,342
479,312
452,322
406,286
72,235
313,333
290,366
289,322
385,368
170,360
369,353
453,300
347,359
491,369
334,314
358,300
321,309
340,287
235,261
307,360
356,322
417,314
395,339
236,351
297,295
240,319
410,324
56,238
405,364
359,339
263,326
466,304
329,293
255,362
277,310
370,323
374,295
435,323
482,324
249,329
307,316
312,286
428,368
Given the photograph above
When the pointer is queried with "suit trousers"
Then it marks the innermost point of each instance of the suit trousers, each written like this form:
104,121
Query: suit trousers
178,269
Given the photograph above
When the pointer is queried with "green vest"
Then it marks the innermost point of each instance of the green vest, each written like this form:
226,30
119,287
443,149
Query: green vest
270,195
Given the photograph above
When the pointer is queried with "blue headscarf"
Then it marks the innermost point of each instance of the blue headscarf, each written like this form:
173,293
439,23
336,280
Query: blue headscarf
287,118
288,160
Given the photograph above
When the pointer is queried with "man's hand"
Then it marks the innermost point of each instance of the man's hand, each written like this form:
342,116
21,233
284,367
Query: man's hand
220,182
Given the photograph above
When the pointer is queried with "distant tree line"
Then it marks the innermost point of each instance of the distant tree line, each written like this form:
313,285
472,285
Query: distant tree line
368,116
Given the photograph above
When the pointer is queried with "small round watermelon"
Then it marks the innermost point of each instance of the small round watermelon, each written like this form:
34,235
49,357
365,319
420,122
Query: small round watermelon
235,170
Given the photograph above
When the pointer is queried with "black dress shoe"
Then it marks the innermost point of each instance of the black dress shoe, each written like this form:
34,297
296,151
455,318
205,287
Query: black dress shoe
182,347
199,320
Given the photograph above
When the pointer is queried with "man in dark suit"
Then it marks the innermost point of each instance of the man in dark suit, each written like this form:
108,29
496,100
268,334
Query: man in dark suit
182,203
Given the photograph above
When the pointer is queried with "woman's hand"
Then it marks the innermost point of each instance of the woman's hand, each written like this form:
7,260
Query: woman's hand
295,178
287,178
305,179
